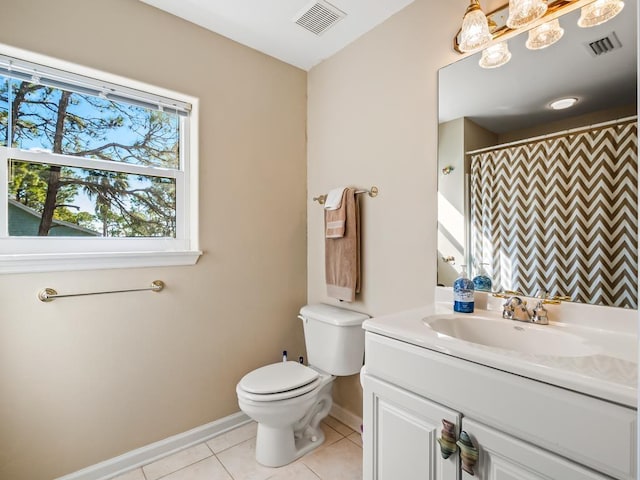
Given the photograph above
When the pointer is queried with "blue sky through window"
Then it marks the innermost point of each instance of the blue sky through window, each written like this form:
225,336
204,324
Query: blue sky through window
96,127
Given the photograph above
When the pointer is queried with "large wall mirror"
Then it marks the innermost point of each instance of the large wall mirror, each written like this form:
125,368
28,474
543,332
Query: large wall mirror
544,198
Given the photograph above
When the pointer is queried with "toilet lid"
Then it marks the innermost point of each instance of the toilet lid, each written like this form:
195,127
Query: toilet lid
278,377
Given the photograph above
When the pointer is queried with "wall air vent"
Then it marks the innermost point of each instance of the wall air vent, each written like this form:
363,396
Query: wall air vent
318,17
604,45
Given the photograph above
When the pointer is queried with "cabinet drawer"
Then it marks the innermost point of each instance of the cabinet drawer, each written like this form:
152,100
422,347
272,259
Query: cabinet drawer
592,432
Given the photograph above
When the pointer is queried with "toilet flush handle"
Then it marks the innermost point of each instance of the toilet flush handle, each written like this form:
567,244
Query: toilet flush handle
302,318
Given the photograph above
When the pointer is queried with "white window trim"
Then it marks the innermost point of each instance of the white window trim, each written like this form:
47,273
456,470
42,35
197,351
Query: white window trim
122,252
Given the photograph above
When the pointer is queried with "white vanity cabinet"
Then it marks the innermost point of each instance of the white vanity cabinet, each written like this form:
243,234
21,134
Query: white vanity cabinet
401,438
522,428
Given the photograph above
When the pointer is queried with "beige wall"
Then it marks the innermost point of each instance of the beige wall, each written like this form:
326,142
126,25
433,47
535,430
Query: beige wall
372,120
451,226
451,149
454,139
83,380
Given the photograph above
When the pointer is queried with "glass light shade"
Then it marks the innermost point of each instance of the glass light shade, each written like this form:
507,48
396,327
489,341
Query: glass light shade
475,29
545,35
524,12
495,56
599,12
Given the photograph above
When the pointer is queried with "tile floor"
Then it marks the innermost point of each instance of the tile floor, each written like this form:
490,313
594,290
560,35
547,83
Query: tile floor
231,456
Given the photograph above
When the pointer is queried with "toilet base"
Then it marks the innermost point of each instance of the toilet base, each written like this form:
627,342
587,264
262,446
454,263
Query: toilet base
276,447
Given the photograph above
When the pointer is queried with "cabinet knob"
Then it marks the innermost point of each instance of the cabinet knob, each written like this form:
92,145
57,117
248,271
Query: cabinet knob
447,440
468,453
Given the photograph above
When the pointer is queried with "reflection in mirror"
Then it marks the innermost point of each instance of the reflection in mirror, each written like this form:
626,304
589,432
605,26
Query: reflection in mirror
545,198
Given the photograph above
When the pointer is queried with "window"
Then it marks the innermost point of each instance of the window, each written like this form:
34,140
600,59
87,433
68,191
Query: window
94,173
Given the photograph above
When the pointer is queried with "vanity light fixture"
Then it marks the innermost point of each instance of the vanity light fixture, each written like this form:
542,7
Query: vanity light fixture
599,12
563,103
545,35
495,56
525,12
479,30
475,29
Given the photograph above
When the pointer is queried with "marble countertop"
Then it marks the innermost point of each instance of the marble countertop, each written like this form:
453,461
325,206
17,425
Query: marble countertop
609,371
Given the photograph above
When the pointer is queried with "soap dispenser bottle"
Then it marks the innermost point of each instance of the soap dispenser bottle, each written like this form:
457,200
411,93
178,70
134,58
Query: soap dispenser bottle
482,281
463,293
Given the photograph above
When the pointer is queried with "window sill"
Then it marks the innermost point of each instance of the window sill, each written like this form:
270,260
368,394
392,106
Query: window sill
33,263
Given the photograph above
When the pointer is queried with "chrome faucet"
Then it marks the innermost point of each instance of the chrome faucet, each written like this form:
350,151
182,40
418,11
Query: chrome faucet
516,309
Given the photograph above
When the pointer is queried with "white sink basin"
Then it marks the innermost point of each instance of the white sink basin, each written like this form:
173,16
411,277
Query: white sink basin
510,335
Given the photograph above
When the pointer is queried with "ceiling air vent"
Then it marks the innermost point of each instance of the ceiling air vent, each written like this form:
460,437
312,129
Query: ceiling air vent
604,45
318,17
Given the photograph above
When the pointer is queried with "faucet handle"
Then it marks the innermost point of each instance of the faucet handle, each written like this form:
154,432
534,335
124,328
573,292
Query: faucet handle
540,314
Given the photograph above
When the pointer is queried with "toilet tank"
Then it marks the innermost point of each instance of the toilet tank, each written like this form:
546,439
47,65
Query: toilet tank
334,338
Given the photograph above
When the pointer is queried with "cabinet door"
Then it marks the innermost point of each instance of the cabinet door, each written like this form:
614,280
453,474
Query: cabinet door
503,457
400,435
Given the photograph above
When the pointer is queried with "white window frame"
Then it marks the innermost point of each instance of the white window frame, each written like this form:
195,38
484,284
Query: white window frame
42,254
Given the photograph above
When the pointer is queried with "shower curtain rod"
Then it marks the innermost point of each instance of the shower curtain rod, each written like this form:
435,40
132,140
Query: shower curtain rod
553,135
49,294
373,191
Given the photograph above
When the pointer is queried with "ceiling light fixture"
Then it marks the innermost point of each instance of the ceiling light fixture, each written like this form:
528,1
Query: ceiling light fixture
495,56
478,30
525,12
563,103
545,35
475,29
599,12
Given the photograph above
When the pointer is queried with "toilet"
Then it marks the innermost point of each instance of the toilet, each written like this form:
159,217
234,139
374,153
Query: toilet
288,400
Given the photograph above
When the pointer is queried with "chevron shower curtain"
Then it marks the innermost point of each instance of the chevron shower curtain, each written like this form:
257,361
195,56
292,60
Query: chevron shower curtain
561,213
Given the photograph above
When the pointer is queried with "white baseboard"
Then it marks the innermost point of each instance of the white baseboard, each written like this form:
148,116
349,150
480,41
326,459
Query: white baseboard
345,416
154,451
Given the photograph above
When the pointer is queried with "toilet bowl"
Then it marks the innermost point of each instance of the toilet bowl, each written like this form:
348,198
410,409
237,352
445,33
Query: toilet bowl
288,414
288,400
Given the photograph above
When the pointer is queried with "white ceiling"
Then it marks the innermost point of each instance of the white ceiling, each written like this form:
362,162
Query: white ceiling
268,26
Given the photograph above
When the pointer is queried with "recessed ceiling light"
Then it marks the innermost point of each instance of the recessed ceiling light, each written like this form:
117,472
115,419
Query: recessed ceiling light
563,103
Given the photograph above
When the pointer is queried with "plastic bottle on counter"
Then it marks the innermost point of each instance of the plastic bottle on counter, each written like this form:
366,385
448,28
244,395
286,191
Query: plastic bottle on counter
463,289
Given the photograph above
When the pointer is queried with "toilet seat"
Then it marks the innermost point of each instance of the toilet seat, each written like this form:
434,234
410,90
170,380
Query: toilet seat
278,381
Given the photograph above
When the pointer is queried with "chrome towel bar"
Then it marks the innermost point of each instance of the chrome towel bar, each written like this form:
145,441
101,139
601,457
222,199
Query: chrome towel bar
49,294
372,193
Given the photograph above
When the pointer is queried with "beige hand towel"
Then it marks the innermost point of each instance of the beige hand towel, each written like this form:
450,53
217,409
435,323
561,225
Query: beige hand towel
342,254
